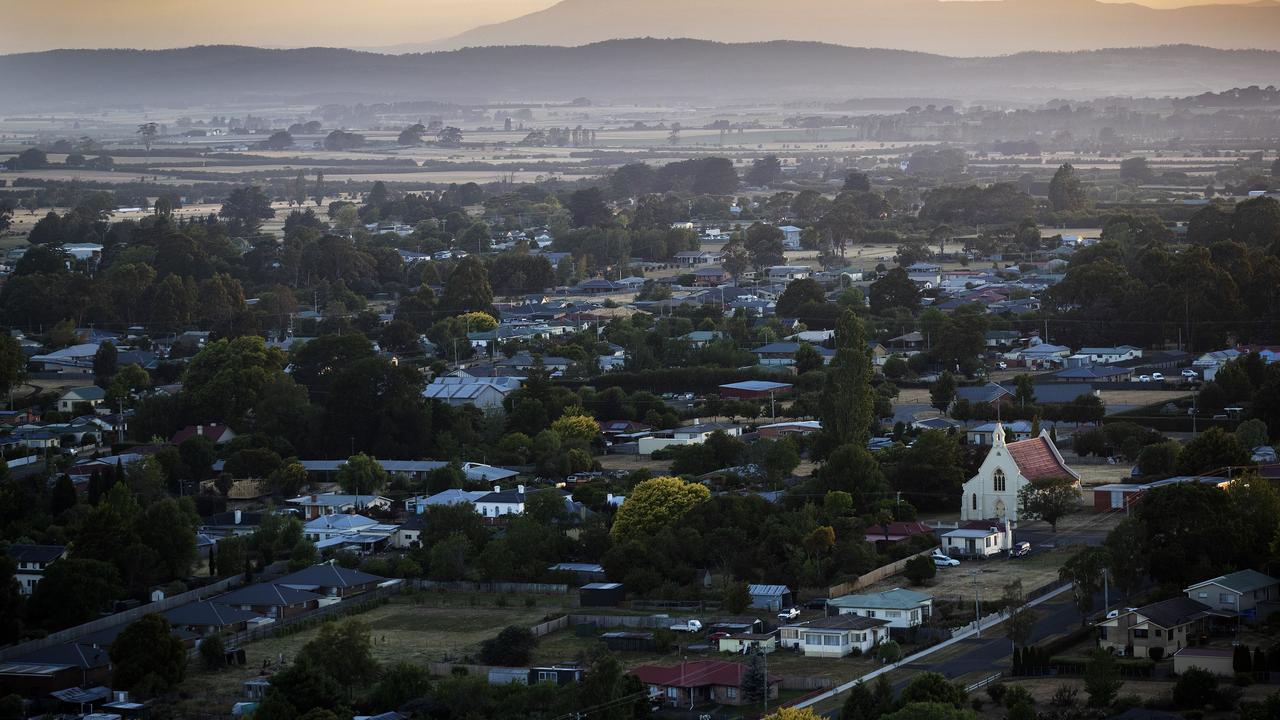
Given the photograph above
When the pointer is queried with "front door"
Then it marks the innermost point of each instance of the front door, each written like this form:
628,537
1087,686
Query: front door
999,508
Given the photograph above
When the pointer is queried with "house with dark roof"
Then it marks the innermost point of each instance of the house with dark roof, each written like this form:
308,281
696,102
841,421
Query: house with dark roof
835,636
769,597
988,394
895,532
697,683
32,561
219,434
271,600
55,668
207,617
1154,631
1009,467
233,522
332,580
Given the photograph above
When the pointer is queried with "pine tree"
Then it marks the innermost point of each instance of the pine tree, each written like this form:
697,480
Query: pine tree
1065,192
755,685
95,487
1015,667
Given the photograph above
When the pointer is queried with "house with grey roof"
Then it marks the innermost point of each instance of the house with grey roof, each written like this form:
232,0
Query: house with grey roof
770,597
274,601
331,580
1247,593
901,608
1154,631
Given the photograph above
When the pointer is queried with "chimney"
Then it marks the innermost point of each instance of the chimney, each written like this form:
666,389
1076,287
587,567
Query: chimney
237,517
520,489
199,430
497,488
608,499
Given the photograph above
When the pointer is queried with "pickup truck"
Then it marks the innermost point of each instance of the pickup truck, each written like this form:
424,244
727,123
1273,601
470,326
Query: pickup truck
692,626
789,613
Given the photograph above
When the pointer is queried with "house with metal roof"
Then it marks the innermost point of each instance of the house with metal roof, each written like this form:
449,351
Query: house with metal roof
271,600
32,561
835,636
1154,631
208,616
754,389
1247,593
901,608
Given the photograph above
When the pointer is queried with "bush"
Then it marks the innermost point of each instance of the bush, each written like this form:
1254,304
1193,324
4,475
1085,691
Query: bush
1065,696
997,692
213,653
1018,695
512,647
1195,689
919,569
888,651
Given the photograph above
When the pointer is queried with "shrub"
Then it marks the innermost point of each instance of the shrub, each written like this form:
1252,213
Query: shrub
512,647
1018,695
997,692
919,569
888,651
1195,689
213,653
1065,696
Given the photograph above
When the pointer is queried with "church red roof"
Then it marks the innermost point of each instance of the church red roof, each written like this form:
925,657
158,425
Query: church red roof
1036,460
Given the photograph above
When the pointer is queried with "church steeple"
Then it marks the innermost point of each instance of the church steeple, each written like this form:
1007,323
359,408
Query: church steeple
997,435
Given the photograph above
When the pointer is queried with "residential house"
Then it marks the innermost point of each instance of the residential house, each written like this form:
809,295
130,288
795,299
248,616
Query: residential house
879,353
1154,631
985,434
271,600
500,503
218,434
318,504
769,597
979,539
701,682
988,394
331,580
486,393
784,353
1110,355
907,344
835,636
453,496
935,423
525,361
234,522
73,399
791,236
901,608
1008,467
895,532
207,616
613,358
1247,593
702,338
788,273
334,525
1042,355
73,360
1093,373
1062,393
32,561
686,435
57,668
710,276
698,257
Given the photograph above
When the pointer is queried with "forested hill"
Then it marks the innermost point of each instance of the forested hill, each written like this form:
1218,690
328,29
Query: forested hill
614,70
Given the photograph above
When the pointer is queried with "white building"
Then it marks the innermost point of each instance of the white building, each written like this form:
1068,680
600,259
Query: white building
486,393
32,561
993,492
835,636
901,608
978,540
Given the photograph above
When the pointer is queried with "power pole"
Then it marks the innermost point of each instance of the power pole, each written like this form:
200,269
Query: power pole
977,605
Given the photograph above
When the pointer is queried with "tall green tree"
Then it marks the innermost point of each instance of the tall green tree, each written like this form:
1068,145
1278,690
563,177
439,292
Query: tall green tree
245,209
362,475
468,289
147,658
1065,192
847,403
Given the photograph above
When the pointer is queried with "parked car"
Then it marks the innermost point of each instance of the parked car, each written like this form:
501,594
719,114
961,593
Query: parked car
691,626
1020,549
1144,378
1189,374
789,613
1157,377
1002,365
942,560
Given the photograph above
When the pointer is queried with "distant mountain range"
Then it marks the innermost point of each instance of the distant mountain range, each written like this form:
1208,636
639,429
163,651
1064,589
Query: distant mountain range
619,70
984,28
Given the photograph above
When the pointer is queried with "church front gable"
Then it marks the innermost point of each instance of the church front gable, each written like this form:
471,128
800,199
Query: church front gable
993,492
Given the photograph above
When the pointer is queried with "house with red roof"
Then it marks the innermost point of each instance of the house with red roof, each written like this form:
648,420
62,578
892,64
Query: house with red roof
701,682
219,434
1009,467
896,532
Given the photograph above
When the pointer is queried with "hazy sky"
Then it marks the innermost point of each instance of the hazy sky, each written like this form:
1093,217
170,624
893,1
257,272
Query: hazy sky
43,24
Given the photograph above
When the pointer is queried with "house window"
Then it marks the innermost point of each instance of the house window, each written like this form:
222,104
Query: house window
830,640
871,613
1102,632
892,613
673,693
1142,634
1202,595
731,693
812,639
546,676
974,501
998,480
1227,599
1159,632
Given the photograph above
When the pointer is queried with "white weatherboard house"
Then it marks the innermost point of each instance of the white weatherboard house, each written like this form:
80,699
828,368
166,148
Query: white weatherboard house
993,492
835,636
901,608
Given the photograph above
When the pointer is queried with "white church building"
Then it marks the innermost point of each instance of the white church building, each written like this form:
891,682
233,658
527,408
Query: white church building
993,492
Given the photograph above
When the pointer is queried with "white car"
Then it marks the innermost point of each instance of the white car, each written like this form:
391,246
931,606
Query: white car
789,614
1190,374
1157,377
1144,378
941,560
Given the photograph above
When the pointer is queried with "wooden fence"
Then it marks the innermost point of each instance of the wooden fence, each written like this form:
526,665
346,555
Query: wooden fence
874,576
626,621
550,626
